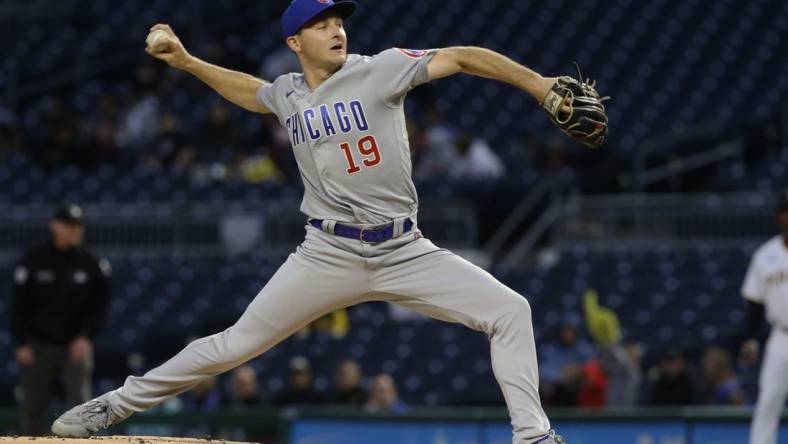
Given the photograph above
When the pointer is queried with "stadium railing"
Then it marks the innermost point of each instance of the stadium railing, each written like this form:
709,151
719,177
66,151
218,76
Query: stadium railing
213,228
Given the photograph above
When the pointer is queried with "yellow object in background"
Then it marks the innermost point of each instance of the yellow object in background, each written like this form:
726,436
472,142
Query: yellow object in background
602,322
336,323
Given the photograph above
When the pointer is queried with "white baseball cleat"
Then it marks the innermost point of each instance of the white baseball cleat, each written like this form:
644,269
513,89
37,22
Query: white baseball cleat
85,419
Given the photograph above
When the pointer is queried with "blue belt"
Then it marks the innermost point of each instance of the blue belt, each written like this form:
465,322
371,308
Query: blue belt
371,235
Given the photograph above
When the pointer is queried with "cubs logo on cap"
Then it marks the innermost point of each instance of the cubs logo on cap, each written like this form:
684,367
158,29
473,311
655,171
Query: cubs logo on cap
301,11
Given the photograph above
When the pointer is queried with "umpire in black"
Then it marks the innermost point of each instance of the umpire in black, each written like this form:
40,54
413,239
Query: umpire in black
60,298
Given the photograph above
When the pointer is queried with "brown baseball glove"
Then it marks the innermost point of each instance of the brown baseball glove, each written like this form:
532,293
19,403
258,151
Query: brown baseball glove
586,120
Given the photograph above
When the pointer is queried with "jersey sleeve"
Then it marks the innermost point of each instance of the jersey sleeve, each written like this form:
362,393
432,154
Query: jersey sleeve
397,71
273,96
753,287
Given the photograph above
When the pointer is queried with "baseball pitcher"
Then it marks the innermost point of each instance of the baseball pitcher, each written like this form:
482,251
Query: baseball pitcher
344,116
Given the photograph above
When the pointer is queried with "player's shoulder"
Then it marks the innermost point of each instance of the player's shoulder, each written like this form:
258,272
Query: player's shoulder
769,248
285,80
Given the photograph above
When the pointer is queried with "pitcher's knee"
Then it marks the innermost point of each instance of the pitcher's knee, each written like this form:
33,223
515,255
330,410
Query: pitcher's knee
515,314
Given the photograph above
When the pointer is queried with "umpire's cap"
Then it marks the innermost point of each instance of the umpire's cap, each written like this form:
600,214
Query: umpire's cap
301,11
70,214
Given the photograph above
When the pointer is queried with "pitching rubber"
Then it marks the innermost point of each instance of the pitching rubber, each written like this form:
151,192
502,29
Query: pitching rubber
111,440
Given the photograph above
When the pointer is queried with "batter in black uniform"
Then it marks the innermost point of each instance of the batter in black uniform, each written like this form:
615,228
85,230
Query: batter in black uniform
60,298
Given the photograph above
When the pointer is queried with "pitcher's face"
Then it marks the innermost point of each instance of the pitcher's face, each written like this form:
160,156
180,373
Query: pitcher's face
322,41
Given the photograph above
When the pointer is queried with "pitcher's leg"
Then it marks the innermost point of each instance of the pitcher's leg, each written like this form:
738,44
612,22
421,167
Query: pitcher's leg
299,292
772,391
442,285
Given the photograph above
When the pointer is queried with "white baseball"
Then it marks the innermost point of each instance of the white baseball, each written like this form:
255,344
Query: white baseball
156,37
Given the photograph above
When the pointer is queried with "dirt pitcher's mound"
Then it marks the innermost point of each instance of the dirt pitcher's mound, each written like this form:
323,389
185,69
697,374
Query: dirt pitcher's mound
111,440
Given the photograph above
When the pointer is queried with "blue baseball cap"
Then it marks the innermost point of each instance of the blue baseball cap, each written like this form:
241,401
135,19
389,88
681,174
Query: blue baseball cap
301,11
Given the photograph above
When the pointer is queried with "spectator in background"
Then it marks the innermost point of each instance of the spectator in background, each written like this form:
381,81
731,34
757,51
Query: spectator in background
620,363
383,396
439,152
748,365
244,394
299,389
593,385
564,390
244,390
721,386
347,384
570,350
670,381
140,125
204,397
60,299
476,160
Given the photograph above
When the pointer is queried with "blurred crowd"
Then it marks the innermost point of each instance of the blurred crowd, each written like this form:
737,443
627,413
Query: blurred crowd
609,371
241,389
576,372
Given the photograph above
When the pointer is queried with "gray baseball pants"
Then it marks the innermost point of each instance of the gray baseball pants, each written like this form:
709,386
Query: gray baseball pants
328,272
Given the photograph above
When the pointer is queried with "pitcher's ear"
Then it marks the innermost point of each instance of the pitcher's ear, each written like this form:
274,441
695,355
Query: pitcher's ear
293,44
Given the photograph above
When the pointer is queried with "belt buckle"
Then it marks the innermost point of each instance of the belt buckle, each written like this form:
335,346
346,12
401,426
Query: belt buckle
373,229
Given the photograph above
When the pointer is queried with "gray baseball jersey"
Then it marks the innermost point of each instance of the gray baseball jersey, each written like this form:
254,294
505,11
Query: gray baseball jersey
349,136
